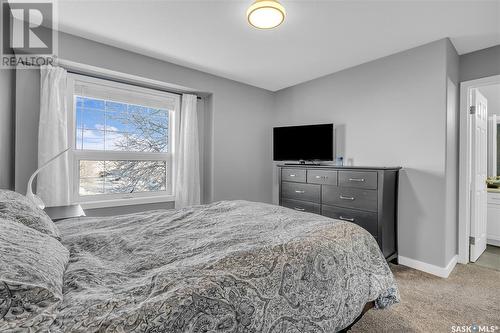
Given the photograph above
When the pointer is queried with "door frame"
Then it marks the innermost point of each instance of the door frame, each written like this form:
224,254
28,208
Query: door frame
464,180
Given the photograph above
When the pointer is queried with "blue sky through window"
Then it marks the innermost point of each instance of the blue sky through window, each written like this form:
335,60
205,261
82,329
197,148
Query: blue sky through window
111,125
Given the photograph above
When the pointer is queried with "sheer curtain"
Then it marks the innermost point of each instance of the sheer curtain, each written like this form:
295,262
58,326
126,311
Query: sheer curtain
53,182
187,186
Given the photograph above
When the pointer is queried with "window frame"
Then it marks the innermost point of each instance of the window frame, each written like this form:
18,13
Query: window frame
172,104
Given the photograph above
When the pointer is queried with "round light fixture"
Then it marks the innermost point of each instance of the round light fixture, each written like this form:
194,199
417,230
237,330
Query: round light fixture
266,14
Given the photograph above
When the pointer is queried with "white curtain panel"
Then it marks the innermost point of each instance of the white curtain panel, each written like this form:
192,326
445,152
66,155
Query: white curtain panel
53,183
187,186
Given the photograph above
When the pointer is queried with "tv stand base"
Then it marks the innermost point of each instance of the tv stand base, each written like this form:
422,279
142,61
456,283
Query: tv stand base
303,162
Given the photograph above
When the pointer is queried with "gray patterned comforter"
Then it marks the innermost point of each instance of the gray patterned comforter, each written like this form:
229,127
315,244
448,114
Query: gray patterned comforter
231,266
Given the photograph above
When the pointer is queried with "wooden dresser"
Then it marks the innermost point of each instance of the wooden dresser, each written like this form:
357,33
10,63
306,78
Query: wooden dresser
366,196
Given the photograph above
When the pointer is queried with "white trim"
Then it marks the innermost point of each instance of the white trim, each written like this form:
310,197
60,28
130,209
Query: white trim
443,272
127,202
492,145
171,104
464,164
492,240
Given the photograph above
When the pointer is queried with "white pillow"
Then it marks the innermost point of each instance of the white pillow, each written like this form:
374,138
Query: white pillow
32,266
17,207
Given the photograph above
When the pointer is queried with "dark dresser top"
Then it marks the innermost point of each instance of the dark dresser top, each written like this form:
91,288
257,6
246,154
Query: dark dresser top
328,166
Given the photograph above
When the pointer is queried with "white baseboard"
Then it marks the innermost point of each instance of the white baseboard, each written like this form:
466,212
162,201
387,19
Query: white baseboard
443,272
493,241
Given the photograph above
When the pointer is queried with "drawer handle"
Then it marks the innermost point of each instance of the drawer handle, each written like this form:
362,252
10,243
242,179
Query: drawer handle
346,218
292,175
299,209
356,179
299,191
321,177
346,198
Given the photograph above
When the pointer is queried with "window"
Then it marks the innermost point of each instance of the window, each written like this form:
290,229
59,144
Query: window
122,139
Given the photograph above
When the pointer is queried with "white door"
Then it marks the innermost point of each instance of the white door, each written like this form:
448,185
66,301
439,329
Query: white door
492,145
479,169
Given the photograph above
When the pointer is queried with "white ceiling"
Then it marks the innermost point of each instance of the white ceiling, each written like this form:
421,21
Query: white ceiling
317,38
492,94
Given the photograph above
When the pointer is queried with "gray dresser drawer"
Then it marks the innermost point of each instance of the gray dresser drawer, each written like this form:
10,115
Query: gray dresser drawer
326,177
303,192
301,206
350,197
365,196
358,179
366,220
293,175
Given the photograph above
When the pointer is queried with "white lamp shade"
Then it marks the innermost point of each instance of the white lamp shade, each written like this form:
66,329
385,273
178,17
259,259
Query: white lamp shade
29,191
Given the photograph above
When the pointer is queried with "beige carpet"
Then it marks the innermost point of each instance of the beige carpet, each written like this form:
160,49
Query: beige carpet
471,295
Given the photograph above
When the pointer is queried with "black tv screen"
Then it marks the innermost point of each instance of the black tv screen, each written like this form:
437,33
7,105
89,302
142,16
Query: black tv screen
311,142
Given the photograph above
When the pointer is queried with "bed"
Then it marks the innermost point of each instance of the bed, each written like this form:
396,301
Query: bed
230,266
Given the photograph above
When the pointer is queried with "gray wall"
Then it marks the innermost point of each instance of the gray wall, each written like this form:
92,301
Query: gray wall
237,131
397,110
27,107
7,79
478,64
452,145
241,115
390,112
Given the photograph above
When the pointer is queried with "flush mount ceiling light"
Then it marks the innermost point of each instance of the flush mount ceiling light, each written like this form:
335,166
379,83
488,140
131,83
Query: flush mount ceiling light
266,14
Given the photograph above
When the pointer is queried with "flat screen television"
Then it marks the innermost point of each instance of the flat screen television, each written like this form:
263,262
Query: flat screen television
308,143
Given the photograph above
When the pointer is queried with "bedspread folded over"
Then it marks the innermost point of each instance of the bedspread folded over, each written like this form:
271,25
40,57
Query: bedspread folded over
231,266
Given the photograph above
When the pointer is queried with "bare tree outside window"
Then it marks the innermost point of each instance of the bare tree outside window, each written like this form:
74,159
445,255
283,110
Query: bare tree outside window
114,126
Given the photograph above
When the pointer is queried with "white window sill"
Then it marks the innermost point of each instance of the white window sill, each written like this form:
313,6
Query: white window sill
126,201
